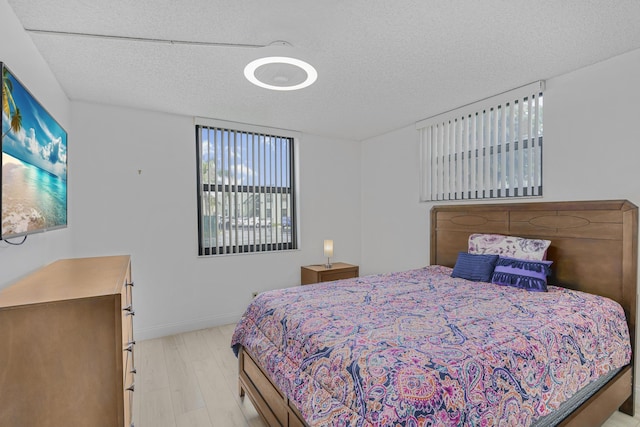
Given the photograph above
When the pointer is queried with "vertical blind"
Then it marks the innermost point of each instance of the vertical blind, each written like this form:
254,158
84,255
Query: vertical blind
245,191
488,149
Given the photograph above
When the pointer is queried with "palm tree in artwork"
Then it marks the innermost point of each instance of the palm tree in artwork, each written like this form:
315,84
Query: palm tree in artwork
9,104
16,121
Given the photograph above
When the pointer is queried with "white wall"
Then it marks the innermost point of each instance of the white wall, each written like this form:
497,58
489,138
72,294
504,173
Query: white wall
152,216
26,63
394,225
591,151
592,140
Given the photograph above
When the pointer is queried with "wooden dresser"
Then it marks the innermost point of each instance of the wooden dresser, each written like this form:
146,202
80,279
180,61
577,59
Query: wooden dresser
66,357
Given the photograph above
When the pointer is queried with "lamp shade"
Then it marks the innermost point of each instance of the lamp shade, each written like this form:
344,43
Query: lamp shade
328,248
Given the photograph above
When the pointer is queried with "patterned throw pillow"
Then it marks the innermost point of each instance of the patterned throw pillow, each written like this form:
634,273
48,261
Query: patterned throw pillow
474,267
522,273
509,246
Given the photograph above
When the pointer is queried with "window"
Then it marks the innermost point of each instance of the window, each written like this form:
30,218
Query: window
245,191
489,149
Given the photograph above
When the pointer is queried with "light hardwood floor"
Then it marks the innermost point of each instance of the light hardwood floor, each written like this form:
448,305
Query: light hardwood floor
190,380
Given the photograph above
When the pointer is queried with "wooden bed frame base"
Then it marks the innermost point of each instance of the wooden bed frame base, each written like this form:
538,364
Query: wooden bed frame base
272,405
594,249
599,407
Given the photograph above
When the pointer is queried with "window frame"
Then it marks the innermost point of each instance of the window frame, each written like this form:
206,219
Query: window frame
490,149
240,190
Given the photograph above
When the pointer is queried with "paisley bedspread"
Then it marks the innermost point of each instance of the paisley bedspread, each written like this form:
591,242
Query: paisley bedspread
419,348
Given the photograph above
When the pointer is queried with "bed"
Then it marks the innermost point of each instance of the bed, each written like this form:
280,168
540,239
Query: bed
593,250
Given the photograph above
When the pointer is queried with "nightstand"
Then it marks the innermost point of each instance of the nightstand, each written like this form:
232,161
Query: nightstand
319,273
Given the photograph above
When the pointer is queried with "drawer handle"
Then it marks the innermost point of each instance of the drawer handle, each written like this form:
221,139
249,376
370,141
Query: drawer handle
131,387
133,371
129,346
129,310
129,284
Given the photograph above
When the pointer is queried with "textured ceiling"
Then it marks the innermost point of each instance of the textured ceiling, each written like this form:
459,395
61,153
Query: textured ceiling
382,65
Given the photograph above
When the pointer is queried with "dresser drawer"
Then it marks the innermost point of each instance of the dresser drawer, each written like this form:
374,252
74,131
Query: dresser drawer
127,324
129,388
329,276
128,342
319,273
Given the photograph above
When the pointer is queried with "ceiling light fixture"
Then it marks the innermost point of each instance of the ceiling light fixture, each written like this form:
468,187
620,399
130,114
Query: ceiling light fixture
280,73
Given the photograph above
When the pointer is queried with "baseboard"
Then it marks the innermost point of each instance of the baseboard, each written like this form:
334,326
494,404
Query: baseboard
184,326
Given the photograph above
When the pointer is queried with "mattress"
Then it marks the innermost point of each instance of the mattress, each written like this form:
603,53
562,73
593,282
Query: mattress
421,348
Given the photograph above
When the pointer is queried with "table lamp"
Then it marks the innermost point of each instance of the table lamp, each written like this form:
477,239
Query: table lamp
328,252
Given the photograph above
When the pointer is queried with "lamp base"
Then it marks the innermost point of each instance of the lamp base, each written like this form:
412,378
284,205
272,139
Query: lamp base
328,264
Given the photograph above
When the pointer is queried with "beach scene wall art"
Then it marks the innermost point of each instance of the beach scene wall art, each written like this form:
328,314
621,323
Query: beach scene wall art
34,163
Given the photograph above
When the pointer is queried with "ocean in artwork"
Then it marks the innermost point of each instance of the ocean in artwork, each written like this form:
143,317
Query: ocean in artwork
32,198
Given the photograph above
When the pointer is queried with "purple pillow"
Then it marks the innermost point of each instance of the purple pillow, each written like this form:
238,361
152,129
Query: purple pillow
476,267
522,273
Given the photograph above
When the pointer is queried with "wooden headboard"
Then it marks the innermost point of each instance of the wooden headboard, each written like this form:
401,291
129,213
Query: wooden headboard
594,244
